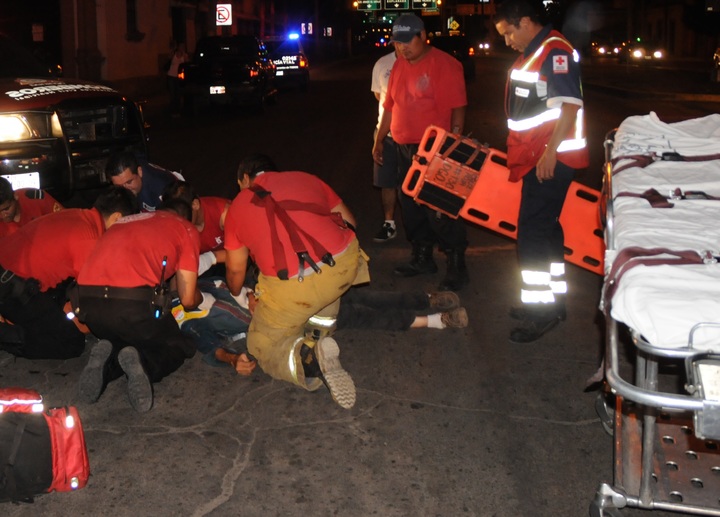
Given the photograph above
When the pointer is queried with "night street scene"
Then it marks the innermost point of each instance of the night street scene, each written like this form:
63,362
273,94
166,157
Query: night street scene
353,258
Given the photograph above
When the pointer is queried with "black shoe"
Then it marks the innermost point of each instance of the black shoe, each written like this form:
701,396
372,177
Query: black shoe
522,313
92,378
139,387
533,329
386,233
456,276
422,262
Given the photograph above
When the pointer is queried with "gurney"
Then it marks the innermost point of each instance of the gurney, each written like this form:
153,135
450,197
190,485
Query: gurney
662,289
460,177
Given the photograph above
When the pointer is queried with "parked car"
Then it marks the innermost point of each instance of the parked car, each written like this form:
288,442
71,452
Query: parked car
57,134
459,47
228,70
291,63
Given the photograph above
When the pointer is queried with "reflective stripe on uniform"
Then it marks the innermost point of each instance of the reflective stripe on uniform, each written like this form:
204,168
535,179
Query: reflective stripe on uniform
537,296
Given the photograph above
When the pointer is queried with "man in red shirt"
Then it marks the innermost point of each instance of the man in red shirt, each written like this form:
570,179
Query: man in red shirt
19,207
37,262
297,231
208,216
426,87
123,299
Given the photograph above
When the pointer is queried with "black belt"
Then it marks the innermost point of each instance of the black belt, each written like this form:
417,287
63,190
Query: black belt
13,286
141,294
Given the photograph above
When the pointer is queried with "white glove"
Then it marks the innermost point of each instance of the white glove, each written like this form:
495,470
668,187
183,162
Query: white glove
207,302
207,260
242,298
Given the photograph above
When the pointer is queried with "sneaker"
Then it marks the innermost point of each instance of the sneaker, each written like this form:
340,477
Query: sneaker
139,387
443,301
92,378
533,329
456,318
338,381
386,233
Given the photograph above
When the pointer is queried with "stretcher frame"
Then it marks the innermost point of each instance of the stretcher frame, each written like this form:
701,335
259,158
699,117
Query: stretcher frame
663,459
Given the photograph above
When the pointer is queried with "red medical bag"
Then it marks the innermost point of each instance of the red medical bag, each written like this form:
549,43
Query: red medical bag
40,450
462,178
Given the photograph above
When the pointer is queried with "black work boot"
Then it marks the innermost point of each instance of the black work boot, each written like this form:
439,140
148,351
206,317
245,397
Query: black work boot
456,276
422,262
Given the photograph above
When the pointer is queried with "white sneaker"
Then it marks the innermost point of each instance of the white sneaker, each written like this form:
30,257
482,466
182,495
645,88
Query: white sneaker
338,381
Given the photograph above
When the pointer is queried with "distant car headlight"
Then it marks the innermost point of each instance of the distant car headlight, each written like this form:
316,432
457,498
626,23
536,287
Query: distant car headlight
14,127
637,54
658,54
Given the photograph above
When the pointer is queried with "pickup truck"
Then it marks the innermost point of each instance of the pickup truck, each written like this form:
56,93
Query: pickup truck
228,70
57,134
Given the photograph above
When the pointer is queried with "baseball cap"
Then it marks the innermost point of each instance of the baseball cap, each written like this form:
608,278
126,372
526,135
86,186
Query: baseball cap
406,27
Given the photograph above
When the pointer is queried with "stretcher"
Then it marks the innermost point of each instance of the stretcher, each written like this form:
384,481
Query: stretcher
459,177
661,300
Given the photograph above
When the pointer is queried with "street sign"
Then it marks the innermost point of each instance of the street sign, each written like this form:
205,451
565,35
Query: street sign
223,14
397,4
369,5
424,4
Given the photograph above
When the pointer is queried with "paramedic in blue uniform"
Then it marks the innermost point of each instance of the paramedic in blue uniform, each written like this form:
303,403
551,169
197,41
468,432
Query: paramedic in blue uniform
546,144
145,180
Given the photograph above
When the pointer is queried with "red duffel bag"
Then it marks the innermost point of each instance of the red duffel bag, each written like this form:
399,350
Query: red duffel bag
40,450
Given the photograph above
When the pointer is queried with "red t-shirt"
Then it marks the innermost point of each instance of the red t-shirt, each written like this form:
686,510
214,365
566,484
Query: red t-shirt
424,93
246,224
212,234
130,253
33,203
52,248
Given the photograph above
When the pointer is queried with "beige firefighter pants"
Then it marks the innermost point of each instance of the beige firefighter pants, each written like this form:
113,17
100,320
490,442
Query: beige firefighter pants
284,306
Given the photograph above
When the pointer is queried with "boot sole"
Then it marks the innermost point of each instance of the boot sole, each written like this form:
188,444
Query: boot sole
92,378
338,381
139,387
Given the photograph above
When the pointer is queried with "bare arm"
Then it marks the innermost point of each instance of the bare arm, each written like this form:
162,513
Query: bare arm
382,132
545,169
457,120
190,297
235,268
346,213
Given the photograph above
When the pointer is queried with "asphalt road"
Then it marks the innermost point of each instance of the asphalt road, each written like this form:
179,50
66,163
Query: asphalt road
447,423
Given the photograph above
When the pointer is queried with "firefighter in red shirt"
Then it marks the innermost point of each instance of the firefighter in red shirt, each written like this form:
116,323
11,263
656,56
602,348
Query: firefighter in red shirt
124,298
208,216
546,144
36,264
19,207
295,228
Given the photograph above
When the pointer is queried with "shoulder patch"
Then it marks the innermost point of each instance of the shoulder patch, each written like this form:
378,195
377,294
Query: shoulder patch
560,64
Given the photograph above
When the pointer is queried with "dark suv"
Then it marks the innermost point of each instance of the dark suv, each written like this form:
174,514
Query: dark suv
57,134
460,48
228,70
291,63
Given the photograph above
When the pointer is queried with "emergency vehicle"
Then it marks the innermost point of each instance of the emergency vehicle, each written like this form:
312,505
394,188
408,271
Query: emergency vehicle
57,134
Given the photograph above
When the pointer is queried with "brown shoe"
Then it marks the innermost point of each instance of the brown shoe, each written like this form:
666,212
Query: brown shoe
456,318
443,301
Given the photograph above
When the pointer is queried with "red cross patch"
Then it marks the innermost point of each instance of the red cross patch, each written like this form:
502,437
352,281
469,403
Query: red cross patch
560,64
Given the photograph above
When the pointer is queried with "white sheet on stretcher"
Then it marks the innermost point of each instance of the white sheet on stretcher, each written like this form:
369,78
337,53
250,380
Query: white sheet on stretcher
664,302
